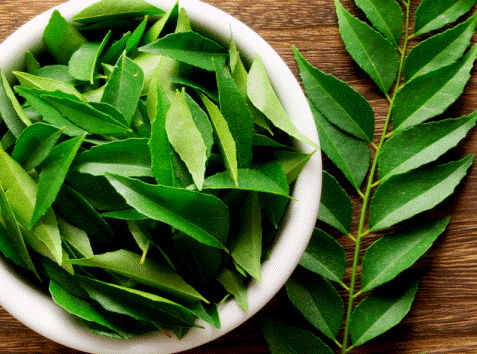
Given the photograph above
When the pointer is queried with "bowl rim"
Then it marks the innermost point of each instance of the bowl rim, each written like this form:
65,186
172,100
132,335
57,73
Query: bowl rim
36,309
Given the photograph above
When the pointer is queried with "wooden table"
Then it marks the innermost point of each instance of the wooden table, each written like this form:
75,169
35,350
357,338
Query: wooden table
444,316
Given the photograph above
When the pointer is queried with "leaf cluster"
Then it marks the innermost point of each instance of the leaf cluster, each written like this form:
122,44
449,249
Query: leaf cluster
406,175
144,169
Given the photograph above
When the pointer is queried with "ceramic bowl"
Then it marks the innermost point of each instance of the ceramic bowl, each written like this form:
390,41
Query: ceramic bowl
37,311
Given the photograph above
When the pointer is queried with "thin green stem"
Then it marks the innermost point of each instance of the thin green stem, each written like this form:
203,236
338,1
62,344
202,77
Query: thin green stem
367,194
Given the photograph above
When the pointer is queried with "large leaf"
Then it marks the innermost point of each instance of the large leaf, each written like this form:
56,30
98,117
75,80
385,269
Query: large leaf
317,300
431,94
286,339
332,98
386,16
381,311
421,144
325,256
349,154
440,50
201,216
374,53
336,208
432,15
395,252
425,188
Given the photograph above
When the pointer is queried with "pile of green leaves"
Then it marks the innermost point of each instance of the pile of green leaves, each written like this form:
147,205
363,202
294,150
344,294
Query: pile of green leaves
407,174
143,169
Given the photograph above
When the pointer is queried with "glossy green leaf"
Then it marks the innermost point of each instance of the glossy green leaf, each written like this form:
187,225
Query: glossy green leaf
425,188
336,208
386,16
332,97
349,154
208,314
201,216
286,339
422,144
61,38
7,90
47,84
8,111
225,139
83,62
52,175
111,55
59,73
395,252
191,146
153,33
202,121
111,9
233,283
292,163
127,157
431,15
325,256
247,249
188,47
431,94
372,52
234,109
76,238
439,50
32,65
149,273
124,87
317,300
133,42
262,94
381,311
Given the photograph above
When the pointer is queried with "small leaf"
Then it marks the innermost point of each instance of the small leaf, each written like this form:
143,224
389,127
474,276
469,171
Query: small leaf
421,144
381,311
432,15
292,163
336,208
386,16
76,237
431,94
402,196
395,252
372,52
8,112
32,65
332,98
286,339
440,50
233,283
325,256
317,300
153,33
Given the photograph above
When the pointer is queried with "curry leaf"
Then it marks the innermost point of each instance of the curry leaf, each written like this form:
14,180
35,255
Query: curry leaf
8,112
233,283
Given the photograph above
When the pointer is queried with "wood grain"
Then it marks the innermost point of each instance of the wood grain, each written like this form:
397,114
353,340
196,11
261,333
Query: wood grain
444,316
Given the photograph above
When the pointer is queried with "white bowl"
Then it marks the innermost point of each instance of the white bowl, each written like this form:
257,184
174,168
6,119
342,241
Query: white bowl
37,311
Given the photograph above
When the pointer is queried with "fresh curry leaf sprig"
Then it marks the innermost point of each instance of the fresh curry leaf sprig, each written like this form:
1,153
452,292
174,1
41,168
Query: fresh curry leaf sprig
406,176
144,169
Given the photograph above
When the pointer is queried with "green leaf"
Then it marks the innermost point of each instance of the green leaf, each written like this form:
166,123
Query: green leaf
149,273
262,94
201,216
124,87
59,73
349,154
381,311
42,83
440,50
188,47
83,62
336,208
153,33
8,111
325,256
332,98
190,146
421,144
61,38
202,122
133,41
424,189
127,157
317,300
386,16
292,163
52,175
233,283
32,65
286,339
247,249
77,238
372,52
111,9
431,94
395,252
431,15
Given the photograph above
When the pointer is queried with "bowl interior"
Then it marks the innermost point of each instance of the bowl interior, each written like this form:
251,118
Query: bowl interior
36,310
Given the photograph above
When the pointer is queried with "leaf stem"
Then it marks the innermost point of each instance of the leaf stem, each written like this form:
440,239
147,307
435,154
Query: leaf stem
369,188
